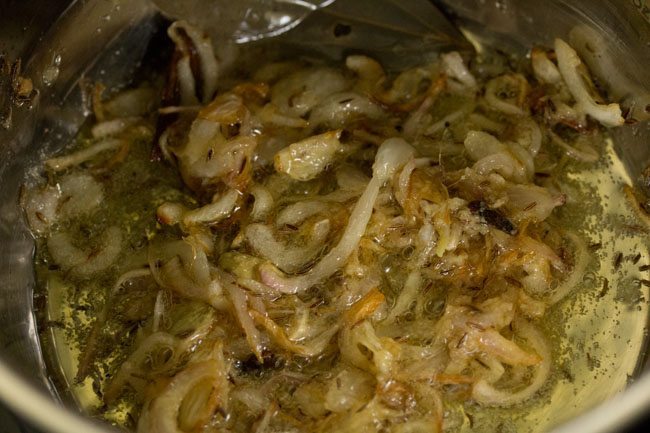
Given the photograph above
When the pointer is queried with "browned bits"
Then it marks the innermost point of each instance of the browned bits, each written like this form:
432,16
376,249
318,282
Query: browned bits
605,288
492,217
531,206
595,246
618,259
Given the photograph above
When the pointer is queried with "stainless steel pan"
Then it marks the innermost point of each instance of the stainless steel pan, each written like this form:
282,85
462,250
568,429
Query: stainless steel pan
61,42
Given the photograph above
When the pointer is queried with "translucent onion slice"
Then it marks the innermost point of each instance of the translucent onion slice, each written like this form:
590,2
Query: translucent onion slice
408,295
391,156
221,208
454,67
288,259
80,194
244,315
313,347
182,266
63,162
299,92
41,207
580,262
384,350
145,360
531,202
568,63
85,263
349,389
113,127
486,394
263,202
585,154
306,159
201,45
170,411
544,69
511,84
370,73
341,109
296,213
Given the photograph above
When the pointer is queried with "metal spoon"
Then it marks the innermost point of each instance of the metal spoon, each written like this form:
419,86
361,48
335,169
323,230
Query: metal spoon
396,32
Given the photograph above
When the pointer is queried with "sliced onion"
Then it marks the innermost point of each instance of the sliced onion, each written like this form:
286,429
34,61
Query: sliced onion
201,46
208,157
577,272
263,202
384,350
85,263
158,311
494,344
136,363
130,104
544,69
296,213
350,388
173,276
568,62
351,179
306,159
408,295
311,348
369,71
511,105
528,134
183,267
40,206
113,127
299,92
413,125
244,315
80,194
586,154
486,394
163,413
221,208
391,156
531,202
63,162
364,307
480,144
170,213
270,114
403,183
454,67
288,259
341,109
503,163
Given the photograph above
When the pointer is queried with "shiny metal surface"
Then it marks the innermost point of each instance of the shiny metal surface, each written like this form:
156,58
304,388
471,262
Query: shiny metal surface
112,53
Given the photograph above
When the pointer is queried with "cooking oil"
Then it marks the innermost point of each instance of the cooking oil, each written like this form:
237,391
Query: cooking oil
598,331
